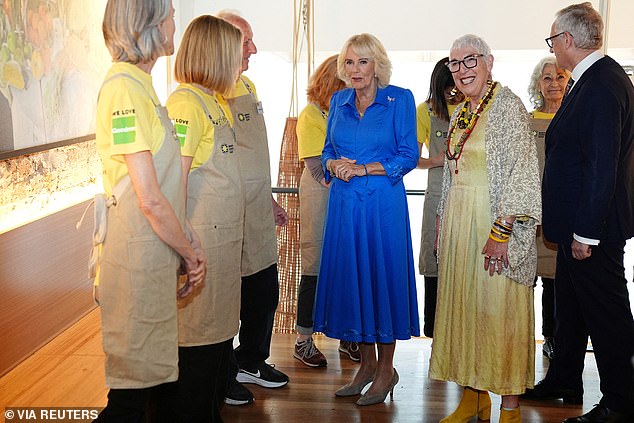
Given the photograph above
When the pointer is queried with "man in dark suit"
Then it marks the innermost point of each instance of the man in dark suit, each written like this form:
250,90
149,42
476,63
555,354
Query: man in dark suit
588,210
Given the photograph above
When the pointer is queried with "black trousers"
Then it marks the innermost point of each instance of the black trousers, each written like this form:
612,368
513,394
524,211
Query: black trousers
198,395
429,313
136,405
202,382
548,307
305,304
259,299
591,298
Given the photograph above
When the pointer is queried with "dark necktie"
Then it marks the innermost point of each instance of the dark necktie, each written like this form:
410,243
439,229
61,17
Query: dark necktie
568,87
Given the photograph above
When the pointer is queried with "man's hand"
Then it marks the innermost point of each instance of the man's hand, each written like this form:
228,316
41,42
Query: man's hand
281,218
580,251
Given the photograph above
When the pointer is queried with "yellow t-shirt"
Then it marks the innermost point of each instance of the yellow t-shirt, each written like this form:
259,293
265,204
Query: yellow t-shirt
423,122
542,115
194,129
243,86
127,121
311,131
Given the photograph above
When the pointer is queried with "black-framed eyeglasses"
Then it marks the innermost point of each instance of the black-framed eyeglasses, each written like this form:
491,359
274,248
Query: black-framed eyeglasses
549,40
469,62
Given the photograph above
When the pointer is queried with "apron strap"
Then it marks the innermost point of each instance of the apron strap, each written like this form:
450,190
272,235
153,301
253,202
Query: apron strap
202,103
101,205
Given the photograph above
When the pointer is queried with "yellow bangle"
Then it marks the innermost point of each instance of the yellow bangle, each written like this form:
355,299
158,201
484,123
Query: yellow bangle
497,239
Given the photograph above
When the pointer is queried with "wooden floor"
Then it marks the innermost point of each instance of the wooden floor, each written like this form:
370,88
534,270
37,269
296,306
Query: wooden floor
69,372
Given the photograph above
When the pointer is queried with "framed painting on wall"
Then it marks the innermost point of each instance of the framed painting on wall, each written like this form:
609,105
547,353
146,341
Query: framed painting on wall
52,63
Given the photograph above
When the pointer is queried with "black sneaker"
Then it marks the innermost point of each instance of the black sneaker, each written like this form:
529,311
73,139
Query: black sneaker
263,374
238,394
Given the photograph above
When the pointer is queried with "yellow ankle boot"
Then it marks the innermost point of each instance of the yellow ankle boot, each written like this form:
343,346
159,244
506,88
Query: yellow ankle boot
510,416
473,403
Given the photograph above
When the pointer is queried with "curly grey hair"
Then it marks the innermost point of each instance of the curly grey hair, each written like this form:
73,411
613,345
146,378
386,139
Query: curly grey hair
534,95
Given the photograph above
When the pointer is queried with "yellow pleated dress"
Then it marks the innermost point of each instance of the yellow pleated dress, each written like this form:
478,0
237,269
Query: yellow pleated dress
484,329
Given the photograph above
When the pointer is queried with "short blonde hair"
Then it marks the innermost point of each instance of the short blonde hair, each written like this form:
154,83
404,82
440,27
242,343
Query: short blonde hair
209,54
131,29
324,83
367,45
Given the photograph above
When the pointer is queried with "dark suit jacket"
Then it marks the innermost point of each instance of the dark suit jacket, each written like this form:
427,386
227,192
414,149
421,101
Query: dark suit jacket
588,184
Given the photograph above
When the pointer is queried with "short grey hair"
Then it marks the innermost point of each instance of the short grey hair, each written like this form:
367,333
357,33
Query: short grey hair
534,95
470,40
583,23
131,29
366,45
227,14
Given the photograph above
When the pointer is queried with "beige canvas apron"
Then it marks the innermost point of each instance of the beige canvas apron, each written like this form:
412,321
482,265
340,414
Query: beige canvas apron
546,251
259,248
313,198
214,206
427,263
137,276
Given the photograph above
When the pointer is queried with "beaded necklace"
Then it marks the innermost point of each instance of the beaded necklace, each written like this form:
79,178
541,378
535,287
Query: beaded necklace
467,124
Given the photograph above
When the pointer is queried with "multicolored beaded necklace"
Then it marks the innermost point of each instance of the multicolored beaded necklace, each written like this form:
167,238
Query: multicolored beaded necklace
467,123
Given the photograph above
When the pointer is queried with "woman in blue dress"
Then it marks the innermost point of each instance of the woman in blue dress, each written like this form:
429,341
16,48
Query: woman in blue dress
366,290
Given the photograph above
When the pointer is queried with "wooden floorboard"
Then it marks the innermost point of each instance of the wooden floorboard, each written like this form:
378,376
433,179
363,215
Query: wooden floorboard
68,371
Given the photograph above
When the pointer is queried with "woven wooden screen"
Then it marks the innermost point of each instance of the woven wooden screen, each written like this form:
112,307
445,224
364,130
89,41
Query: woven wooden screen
290,170
289,265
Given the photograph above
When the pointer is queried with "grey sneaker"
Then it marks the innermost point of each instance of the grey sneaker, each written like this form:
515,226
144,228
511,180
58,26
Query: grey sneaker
309,354
351,349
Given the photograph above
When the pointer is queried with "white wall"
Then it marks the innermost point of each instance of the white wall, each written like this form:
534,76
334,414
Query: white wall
412,24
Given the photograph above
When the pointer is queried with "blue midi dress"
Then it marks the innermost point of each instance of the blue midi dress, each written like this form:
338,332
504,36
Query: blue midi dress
366,289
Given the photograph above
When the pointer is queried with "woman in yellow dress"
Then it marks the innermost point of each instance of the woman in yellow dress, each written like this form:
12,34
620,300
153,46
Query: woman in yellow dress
488,211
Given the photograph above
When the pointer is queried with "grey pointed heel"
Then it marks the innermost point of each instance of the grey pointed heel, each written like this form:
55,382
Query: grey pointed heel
379,398
350,390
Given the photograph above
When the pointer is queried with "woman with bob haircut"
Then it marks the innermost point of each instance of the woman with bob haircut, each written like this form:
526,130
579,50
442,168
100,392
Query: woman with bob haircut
208,62
147,237
366,290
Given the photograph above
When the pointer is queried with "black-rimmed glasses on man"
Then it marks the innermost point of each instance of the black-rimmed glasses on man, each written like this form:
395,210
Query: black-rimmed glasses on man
549,40
469,62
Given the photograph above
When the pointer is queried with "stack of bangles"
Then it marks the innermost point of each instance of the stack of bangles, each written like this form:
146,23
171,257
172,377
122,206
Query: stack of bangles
501,230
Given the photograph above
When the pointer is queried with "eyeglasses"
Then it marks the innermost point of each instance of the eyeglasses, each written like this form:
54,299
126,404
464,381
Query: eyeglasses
469,62
549,40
